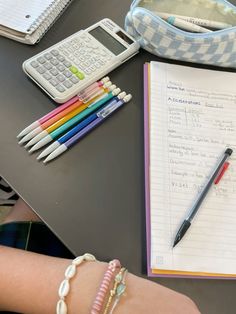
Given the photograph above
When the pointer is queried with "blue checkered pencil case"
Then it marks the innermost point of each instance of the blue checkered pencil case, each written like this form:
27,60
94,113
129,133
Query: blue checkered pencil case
158,36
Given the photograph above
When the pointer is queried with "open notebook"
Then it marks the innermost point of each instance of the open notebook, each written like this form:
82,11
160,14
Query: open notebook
190,118
27,20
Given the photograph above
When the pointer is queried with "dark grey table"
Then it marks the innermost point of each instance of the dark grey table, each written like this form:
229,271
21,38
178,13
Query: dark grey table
92,197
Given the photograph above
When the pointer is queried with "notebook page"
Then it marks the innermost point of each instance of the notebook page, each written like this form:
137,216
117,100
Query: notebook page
192,120
20,14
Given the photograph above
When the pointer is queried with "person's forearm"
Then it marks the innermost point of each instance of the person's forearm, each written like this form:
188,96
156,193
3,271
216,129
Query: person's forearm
29,282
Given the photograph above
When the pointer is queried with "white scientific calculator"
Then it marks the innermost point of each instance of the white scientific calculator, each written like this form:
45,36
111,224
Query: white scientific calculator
74,63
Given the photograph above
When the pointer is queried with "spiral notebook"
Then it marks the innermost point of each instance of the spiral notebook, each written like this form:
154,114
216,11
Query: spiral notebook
189,120
27,21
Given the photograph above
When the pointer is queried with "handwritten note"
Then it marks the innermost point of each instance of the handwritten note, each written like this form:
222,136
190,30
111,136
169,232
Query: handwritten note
192,121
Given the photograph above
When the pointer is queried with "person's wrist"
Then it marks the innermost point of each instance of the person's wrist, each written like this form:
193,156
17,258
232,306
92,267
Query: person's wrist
84,287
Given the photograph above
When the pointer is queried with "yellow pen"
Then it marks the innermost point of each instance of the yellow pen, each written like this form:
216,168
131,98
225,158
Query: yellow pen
70,115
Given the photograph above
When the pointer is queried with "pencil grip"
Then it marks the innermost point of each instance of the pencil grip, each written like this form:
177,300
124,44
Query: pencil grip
183,229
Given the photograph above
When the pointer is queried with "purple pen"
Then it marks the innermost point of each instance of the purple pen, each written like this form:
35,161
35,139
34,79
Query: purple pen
101,116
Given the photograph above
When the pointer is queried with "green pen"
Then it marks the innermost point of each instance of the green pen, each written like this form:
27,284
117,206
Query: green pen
70,123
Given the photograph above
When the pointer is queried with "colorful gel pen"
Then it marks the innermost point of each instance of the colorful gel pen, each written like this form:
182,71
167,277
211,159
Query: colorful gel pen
75,129
67,117
101,116
63,113
59,109
72,122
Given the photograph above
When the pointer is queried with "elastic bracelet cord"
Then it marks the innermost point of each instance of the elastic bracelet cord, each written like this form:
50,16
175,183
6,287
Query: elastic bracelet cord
64,287
99,300
119,291
117,282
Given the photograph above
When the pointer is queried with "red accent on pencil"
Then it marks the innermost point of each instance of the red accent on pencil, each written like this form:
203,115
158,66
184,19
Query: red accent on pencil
224,168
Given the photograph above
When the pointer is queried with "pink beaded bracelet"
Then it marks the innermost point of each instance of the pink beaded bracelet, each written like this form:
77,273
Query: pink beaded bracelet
103,289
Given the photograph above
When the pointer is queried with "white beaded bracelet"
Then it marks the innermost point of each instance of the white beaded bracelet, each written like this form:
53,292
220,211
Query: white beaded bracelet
64,287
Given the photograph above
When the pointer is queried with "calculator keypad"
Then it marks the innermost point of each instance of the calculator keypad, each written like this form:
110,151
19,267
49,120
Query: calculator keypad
71,61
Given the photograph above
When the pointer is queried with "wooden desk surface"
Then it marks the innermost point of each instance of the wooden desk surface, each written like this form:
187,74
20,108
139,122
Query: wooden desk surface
92,197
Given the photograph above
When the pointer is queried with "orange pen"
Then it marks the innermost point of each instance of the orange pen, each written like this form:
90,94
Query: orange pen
67,117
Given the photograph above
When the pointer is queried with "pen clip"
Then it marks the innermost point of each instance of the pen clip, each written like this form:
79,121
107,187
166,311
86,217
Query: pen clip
108,110
98,99
221,173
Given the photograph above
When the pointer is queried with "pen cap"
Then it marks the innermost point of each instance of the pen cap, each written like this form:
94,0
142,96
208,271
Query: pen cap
116,91
107,84
121,95
112,87
105,79
94,94
127,98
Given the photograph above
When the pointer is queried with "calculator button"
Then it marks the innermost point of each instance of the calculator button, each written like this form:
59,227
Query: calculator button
101,62
54,72
54,82
61,78
74,80
60,58
48,66
41,60
61,67
60,88
97,65
87,63
82,59
48,56
80,75
55,52
67,84
41,70
72,58
81,67
73,69
90,45
47,76
67,73
92,68
34,64
88,71
67,64
54,61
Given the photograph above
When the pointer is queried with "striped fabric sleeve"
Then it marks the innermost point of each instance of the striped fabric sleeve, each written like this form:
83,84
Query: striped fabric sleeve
8,196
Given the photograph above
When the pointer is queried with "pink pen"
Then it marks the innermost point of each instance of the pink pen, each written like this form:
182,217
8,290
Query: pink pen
54,112
49,115
93,86
86,96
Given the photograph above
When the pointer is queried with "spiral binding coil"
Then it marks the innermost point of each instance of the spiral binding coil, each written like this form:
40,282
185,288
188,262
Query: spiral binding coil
45,21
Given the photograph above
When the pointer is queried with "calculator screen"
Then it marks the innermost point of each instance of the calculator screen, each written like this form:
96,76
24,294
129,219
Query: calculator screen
107,40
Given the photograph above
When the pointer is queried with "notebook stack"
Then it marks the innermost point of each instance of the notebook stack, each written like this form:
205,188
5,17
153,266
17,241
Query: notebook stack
27,21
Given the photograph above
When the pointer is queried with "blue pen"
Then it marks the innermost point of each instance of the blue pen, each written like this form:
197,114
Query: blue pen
67,136
101,116
76,129
76,119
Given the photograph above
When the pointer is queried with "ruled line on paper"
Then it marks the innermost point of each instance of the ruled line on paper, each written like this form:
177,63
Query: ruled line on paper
192,120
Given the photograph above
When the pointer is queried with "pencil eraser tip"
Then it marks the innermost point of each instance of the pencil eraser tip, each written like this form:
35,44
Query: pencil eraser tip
229,151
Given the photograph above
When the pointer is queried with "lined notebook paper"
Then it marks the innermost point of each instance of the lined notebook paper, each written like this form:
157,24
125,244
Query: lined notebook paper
192,119
27,21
